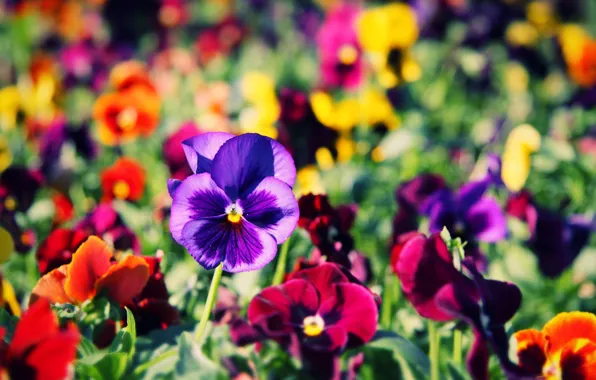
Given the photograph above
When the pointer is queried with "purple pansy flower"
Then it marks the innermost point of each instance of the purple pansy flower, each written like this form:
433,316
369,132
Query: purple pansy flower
238,205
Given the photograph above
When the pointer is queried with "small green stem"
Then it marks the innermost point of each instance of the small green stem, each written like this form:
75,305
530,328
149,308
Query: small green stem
388,291
143,367
457,338
280,269
211,296
434,341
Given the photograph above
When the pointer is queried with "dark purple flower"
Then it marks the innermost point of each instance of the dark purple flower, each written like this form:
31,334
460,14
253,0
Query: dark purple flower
18,187
239,205
468,213
322,310
410,197
555,240
105,222
486,310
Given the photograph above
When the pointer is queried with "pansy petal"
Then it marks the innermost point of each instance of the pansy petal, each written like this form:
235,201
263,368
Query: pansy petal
52,358
51,287
196,197
89,263
36,324
531,351
205,240
201,149
487,220
578,360
244,161
274,308
471,193
566,327
323,277
478,358
354,310
272,207
124,280
249,248
333,339
173,185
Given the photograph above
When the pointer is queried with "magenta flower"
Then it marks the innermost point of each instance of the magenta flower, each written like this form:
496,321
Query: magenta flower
239,205
339,50
319,306
173,152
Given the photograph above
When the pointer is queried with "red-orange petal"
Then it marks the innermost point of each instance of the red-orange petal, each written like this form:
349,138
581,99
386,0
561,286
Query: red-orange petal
51,287
37,324
531,350
125,280
89,263
51,358
566,327
578,360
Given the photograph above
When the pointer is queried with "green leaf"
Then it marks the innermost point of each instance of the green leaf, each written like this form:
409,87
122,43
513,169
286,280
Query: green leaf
192,363
9,322
124,342
86,348
403,349
112,365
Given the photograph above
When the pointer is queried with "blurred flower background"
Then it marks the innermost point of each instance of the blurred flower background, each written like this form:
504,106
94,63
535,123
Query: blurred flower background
445,189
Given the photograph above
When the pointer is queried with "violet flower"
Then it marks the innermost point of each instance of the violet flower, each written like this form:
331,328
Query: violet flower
239,205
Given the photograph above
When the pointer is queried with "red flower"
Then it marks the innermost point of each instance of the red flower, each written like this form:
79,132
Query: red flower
124,180
40,348
64,208
173,152
320,306
57,249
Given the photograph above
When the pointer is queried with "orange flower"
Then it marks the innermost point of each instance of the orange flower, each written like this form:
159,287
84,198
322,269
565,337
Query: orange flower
124,180
583,71
93,272
565,348
128,74
123,116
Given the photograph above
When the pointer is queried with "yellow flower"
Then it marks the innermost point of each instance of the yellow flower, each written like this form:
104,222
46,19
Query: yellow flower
516,78
392,26
540,14
37,99
572,38
521,143
9,107
309,180
342,116
378,111
9,298
521,33
257,87
6,245
5,154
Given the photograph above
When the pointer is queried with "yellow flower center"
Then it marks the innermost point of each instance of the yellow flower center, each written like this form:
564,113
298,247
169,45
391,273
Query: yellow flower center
121,189
347,54
313,325
127,118
234,214
10,203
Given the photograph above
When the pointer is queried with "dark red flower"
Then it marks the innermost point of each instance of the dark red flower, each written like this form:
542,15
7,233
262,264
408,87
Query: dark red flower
58,247
173,152
424,266
320,306
40,348
328,226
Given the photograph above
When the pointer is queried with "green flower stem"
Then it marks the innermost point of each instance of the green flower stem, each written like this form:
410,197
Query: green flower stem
280,270
211,296
434,341
388,298
145,366
457,338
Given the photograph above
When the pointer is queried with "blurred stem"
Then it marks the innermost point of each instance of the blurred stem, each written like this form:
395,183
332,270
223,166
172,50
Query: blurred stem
143,367
457,338
434,341
211,296
388,298
280,270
